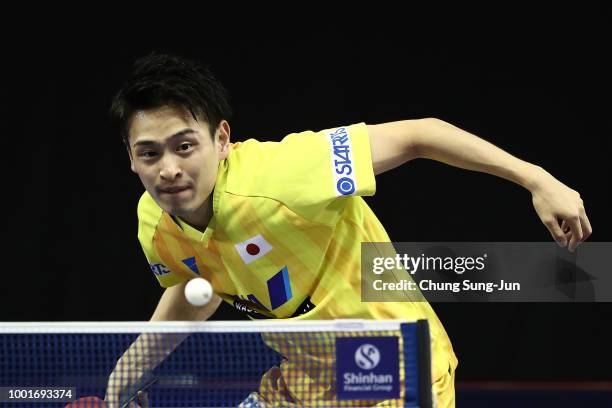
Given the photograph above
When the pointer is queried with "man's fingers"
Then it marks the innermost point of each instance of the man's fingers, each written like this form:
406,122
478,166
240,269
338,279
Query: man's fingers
576,228
565,227
143,399
556,232
586,225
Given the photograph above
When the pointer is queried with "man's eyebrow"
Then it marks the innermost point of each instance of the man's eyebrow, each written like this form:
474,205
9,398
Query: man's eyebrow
146,142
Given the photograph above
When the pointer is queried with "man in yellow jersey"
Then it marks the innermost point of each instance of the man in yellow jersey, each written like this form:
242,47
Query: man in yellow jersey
277,227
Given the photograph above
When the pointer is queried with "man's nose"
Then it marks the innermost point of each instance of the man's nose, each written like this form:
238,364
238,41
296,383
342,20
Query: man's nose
170,170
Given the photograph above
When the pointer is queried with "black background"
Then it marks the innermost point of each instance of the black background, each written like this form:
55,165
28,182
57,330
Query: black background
537,87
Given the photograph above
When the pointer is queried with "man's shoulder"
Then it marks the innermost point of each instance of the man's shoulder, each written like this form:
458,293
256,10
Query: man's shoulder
148,211
147,204
255,156
247,148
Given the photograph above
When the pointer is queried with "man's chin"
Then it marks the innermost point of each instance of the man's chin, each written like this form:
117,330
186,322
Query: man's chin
175,210
185,208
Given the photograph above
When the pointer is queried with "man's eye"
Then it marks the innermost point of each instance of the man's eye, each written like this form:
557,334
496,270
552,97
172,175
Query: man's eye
185,147
148,154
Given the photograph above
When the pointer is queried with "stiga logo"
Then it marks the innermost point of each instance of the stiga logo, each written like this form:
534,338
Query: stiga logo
342,162
367,368
159,269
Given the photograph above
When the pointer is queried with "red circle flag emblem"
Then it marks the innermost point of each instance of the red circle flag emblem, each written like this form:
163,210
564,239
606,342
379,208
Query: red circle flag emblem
252,249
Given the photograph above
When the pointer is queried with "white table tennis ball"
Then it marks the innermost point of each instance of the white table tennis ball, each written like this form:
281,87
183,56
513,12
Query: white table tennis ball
198,291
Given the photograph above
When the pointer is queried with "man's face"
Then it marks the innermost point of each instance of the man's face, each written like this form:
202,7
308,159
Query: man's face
177,159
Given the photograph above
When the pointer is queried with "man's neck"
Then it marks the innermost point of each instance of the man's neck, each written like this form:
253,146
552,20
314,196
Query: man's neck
201,218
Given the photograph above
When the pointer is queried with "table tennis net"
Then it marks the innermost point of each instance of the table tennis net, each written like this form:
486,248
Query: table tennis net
218,364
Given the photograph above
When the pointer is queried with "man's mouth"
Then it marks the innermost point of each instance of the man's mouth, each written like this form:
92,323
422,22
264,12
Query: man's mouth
173,189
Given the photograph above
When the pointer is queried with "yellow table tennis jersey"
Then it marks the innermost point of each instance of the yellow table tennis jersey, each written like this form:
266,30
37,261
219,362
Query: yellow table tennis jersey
285,237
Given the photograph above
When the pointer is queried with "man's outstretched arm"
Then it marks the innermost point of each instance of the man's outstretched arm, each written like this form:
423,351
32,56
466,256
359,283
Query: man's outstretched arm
150,349
557,205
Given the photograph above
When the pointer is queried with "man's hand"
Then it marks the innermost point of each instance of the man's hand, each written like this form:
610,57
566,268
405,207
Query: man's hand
122,383
561,209
150,349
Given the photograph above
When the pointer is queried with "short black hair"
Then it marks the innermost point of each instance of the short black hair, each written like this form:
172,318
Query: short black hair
159,80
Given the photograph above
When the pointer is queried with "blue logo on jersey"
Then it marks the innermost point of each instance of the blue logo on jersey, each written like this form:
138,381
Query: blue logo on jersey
191,264
279,288
342,161
342,152
159,269
345,186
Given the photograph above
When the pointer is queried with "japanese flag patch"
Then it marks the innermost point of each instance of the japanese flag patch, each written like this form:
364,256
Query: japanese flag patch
253,248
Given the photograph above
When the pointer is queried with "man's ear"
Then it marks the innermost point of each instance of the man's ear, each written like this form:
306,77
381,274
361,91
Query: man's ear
223,139
129,152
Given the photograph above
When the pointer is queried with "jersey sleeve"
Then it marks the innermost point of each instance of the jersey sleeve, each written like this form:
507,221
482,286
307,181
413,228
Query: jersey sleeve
149,215
312,173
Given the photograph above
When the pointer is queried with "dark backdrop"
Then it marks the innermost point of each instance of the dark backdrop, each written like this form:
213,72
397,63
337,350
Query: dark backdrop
72,251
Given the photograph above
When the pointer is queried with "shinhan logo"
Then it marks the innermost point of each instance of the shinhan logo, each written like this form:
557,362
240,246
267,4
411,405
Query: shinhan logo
342,163
362,372
159,269
367,356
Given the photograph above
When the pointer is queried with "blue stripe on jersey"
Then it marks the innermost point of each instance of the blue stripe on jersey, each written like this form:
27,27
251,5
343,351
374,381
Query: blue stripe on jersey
279,288
191,264
287,283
